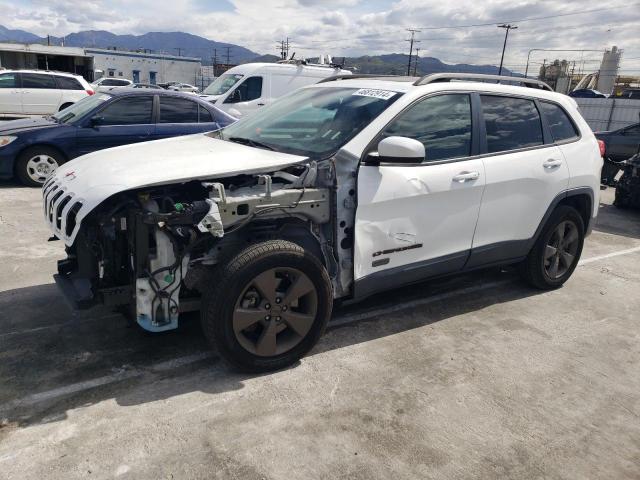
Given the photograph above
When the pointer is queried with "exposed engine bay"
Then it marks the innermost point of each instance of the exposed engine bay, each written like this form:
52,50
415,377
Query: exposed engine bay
149,251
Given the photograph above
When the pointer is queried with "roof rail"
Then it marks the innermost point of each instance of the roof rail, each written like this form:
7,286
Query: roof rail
447,77
354,76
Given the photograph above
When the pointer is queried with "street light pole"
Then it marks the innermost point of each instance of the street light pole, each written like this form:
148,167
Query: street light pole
507,27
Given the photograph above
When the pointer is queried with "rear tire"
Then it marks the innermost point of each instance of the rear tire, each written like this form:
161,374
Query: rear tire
556,253
267,306
36,164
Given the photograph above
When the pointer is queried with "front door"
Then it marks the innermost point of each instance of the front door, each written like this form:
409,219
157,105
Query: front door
124,121
416,221
10,97
250,95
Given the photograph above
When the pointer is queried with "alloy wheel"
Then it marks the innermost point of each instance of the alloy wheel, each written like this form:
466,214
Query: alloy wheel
39,167
561,250
275,311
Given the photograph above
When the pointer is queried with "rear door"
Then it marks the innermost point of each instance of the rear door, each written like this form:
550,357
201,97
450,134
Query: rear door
10,96
40,94
123,121
182,116
418,220
525,171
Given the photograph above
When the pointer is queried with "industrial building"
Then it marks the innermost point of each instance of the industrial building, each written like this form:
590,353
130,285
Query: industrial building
93,63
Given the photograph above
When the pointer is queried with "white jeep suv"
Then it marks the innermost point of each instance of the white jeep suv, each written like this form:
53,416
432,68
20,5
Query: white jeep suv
26,93
336,191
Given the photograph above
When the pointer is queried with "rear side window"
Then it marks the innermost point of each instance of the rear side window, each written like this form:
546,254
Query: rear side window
442,124
68,83
559,122
178,110
204,115
114,83
8,80
511,123
35,80
128,111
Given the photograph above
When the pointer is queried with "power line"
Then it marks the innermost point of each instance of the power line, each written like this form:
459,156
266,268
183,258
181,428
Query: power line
531,19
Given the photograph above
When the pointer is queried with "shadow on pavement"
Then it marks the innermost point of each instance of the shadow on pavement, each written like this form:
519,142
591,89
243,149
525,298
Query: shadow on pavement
96,355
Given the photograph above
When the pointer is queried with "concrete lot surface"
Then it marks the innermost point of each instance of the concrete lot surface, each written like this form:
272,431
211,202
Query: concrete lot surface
470,377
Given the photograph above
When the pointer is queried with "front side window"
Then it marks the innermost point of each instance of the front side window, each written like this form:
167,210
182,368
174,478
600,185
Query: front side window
442,124
8,80
203,115
559,123
128,111
178,110
511,123
222,84
339,113
35,80
250,89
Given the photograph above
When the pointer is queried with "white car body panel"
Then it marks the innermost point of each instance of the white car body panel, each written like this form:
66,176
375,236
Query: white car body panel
97,176
519,189
419,207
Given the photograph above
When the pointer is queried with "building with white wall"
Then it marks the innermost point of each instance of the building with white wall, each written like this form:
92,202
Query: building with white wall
143,67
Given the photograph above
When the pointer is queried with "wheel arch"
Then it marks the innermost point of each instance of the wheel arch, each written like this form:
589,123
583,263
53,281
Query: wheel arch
65,105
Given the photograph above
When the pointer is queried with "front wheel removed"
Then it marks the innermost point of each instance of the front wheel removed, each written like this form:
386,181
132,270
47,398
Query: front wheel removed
557,251
267,306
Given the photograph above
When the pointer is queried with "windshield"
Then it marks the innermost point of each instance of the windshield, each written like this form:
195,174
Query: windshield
222,84
313,122
80,108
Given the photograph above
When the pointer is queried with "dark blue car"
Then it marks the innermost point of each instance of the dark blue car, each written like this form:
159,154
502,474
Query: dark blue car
31,149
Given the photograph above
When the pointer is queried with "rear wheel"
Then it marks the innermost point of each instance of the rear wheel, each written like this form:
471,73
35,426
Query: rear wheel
557,251
36,164
268,306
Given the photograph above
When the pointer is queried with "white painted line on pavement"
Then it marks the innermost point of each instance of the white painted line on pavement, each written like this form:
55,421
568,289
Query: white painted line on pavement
609,255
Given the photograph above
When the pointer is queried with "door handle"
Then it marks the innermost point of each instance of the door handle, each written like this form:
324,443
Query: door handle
466,176
261,104
552,163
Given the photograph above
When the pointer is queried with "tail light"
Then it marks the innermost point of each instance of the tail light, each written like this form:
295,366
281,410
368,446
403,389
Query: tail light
603,148
89,91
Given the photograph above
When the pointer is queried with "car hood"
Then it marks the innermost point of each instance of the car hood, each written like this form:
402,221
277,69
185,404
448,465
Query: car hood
93,178
16,126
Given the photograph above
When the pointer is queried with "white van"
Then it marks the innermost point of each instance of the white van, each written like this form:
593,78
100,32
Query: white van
245,88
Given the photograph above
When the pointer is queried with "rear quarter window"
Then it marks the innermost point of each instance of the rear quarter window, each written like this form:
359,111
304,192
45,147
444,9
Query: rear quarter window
68,83
561,126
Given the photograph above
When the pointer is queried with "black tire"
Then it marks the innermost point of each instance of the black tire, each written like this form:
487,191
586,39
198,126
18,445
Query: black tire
229,285
65,105
533,268
26,173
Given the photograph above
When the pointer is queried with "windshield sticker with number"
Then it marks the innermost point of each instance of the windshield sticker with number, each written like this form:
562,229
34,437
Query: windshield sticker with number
375,93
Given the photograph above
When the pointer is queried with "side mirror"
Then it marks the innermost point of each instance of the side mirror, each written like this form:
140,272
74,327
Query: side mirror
96,121
401,150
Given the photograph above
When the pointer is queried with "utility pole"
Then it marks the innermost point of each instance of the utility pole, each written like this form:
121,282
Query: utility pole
507,27
415,64
214,61
412,41
228,55
179,51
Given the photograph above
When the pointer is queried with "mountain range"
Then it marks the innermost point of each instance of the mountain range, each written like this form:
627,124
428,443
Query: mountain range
186,44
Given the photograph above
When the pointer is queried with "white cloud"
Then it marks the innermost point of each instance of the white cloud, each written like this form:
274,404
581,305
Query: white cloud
353,27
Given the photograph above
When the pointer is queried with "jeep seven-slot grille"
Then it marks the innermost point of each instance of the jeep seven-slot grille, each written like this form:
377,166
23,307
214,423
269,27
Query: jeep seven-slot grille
59,209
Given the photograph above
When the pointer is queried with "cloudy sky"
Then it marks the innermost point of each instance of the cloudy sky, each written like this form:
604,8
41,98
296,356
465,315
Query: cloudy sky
357,27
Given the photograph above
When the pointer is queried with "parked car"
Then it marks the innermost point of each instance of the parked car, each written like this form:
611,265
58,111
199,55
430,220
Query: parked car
339,190
27,93
587,93
32,149
106,84
147,85
183,87
619,145
630,93
245,88
166,85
